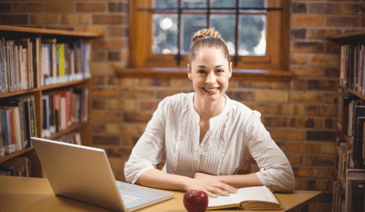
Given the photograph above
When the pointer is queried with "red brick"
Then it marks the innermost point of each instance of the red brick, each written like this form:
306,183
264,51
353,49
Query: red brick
322,33
332,72
324,59
240,95
328,147
318,185
330,98
14,19
319,160
101,115
298,184
99,80
322,110
354,9
295,159
332,48
304,147
321,136
298,85
274,121
298,59
58,7
304,47
98,56
153,82
130,141
307,71
5,7
45,19
291,109
118,7
305,172
114,56
165,93
306,20
119,152
327,85
299,122
330,124
362,22
262,108
324,8
289,134
271,96
108,44
306,97
326,173
107,19
106,140
107,92
148,105
120,81
299,8
137,93
90,7
75,19
299,33
336,21
27,7
137,117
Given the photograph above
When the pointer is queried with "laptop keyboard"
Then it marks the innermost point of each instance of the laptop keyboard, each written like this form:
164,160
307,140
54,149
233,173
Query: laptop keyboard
129,199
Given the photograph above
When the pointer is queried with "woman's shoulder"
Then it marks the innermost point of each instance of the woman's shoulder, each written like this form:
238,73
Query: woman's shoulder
242,111
179,100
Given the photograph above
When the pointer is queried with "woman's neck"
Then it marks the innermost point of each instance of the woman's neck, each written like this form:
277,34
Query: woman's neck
209,109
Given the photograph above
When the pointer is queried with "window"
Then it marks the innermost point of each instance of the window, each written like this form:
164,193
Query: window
161,31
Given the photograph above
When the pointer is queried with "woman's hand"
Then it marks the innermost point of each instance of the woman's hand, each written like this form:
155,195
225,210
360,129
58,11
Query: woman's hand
210,184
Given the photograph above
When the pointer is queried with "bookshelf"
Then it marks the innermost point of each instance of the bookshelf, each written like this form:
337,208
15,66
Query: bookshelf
349,185
42,71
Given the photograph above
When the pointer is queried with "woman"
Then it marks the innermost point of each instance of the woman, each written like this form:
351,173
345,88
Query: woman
207,135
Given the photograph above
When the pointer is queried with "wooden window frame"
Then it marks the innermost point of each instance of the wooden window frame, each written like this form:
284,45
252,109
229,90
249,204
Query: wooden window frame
276,59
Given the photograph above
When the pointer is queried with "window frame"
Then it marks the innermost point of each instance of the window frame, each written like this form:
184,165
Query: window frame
277,52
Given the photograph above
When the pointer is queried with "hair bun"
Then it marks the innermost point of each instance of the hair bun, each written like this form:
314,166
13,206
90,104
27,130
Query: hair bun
205,32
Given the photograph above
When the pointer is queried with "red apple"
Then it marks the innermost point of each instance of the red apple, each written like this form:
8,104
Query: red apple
195,201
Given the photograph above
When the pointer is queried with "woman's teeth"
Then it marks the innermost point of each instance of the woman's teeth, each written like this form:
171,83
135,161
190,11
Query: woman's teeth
213,89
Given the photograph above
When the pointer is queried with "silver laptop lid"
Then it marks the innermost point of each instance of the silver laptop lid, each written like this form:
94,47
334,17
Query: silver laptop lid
79,172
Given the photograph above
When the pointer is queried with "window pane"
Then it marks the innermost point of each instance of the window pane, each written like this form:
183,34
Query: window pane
164,34
252,30
225,3
253,4
225,25
194,3
190,25
165,4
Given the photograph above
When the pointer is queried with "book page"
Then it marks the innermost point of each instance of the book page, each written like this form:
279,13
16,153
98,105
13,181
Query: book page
256,193
221,200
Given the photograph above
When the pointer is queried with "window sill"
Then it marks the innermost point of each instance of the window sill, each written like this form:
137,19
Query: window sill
238,74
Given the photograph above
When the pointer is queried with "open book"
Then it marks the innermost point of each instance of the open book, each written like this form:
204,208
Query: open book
250,198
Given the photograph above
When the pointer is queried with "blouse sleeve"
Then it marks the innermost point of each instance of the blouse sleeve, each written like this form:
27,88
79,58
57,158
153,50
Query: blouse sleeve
148,151
275,170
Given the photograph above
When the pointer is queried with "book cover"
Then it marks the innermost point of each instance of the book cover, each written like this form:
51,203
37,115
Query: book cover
36,53
2,138
359,111
60,50
45,117
249,198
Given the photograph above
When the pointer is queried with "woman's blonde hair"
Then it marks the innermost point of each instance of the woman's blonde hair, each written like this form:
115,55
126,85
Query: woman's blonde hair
207,38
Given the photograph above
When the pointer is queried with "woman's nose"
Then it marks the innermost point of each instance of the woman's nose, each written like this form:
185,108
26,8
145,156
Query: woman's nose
211,78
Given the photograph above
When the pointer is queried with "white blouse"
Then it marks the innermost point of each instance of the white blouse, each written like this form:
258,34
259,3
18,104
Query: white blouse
234,133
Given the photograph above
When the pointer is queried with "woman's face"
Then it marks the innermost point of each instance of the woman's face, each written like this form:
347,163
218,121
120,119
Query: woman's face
210,73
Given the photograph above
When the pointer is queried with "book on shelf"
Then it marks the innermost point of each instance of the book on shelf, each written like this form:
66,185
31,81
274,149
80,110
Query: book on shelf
249,198
355,186
17,123
352,65
19,166
62,109
73,138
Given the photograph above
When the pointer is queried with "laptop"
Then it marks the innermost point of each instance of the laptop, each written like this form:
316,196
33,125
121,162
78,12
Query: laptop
83,173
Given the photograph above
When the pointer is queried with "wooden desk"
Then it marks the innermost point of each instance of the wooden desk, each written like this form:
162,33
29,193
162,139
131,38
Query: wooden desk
35,194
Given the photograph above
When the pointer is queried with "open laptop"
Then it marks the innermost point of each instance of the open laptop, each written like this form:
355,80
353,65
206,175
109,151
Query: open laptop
84,174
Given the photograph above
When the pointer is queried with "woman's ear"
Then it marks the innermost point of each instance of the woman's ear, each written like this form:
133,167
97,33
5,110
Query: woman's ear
189,72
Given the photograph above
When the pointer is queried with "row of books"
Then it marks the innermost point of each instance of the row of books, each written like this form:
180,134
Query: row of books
17,124
19,166
72,138
64,62
352,67
351,119
344,162
18,64
22,61
338,200
62,109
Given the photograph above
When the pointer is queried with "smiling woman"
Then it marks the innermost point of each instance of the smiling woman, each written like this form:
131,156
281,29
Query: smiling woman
206,135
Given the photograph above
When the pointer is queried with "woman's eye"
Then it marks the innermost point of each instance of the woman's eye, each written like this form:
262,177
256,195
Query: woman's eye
220,70
201,72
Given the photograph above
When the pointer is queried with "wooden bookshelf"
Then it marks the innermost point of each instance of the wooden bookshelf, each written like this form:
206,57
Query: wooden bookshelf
84,128
350,167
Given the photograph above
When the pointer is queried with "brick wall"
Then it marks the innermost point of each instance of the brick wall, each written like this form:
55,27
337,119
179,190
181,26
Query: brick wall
300,114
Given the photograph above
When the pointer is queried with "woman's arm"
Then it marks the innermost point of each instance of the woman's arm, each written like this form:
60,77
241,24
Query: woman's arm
162,180
237,181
